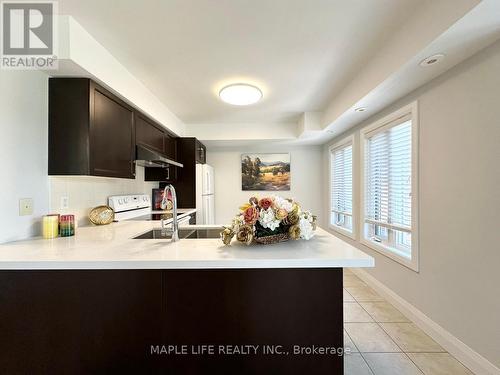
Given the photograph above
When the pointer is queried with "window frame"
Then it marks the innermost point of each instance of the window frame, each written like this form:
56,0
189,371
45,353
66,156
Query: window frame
410,112
345,142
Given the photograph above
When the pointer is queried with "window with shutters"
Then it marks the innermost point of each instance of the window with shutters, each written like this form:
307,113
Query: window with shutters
389,180
341,184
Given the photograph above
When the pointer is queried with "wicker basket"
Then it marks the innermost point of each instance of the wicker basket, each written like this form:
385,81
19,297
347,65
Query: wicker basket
275,238
101,215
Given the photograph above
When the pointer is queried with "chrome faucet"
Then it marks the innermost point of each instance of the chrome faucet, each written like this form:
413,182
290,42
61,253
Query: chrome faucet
164,205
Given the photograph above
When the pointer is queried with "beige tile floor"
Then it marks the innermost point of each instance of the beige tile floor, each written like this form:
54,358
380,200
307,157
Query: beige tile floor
380,340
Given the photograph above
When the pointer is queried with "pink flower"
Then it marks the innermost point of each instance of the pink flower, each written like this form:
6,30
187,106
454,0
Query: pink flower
251,215
265,203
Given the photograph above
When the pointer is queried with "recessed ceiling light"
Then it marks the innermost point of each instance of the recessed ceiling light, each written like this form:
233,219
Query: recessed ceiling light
240,94
431,60
360,109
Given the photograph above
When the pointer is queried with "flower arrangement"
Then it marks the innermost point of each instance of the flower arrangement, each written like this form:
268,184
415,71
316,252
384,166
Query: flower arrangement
270,220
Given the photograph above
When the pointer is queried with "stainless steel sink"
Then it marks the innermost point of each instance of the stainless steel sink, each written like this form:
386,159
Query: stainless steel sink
184,233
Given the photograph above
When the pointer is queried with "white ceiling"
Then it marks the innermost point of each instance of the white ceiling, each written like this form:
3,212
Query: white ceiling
479,28
300,52
315,60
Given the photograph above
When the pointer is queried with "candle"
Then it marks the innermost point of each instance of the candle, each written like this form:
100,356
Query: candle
67,225
50,226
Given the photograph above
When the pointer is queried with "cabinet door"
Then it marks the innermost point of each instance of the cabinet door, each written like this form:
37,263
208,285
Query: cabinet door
112,144
148,134
79,322
69,126
254,306
170,146
201,153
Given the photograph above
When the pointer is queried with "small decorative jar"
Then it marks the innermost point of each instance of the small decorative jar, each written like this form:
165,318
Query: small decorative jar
67,225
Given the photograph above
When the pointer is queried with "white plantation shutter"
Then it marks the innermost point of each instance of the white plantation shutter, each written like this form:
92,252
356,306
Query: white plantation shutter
341,186
388,176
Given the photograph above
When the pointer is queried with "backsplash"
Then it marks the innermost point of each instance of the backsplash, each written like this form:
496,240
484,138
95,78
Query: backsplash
84,192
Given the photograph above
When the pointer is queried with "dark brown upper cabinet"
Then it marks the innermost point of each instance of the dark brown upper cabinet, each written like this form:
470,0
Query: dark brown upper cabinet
91,131
190,152
170,146
149,134
201,153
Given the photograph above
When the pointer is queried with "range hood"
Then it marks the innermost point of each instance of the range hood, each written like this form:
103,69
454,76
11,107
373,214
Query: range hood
145,157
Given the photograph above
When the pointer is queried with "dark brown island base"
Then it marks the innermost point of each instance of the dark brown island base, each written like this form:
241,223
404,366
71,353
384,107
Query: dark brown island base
212,321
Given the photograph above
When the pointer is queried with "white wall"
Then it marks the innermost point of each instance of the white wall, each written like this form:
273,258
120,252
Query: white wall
243,132
23,151
86,192
457,286
306,168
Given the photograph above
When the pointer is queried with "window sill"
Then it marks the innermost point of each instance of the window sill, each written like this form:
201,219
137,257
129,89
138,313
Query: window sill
411,263
342,231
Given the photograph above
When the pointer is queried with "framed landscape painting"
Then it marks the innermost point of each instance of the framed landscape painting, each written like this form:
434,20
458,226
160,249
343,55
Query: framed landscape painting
265,172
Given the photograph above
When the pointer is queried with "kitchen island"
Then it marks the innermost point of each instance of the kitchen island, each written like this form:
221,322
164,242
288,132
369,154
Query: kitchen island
103,302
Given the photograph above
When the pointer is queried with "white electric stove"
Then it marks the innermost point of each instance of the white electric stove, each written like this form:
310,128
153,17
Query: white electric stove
130,206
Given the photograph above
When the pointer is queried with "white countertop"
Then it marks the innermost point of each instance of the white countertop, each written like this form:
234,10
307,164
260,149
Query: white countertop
112,247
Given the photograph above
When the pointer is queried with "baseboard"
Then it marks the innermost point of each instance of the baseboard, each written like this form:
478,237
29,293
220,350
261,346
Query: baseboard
469,357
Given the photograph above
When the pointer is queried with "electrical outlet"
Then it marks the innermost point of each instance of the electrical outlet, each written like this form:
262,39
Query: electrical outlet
64,203
25,206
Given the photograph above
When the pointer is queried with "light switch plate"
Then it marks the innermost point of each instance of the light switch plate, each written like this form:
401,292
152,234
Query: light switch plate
25,206
64,203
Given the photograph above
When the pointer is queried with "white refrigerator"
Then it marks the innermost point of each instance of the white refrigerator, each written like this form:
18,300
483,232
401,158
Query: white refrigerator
205,194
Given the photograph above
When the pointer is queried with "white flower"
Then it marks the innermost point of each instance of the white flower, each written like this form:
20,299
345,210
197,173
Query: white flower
237,222
305,225
282,203
268,220
307,215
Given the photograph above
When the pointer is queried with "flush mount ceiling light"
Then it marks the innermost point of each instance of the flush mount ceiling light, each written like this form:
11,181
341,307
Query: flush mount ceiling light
431,60
360,109
240,94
